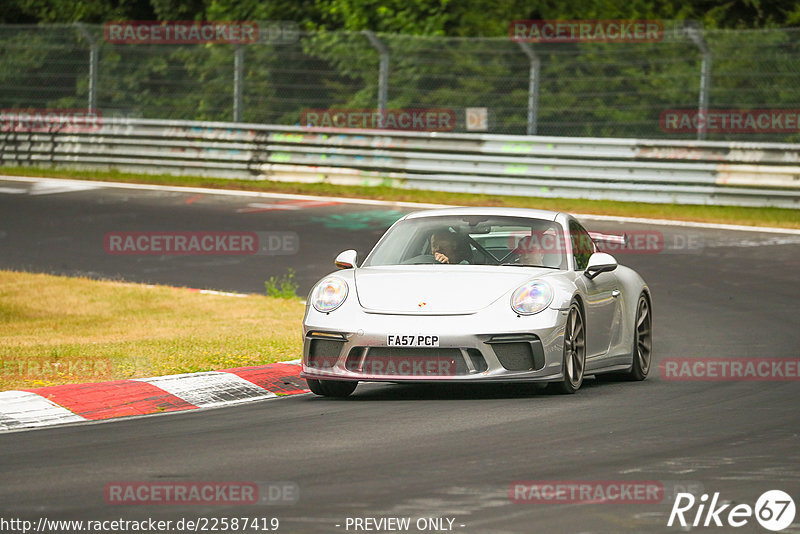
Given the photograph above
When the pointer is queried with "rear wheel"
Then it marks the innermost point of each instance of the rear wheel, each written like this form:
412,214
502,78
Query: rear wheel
642,341
332,388
574,351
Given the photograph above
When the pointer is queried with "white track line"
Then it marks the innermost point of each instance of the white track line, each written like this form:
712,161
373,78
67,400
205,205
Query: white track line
690,224
370,202
222,293
225,192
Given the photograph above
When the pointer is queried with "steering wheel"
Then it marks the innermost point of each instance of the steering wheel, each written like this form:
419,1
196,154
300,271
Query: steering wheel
504,258
484,251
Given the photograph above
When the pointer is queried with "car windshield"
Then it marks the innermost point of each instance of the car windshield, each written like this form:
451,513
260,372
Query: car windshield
472,240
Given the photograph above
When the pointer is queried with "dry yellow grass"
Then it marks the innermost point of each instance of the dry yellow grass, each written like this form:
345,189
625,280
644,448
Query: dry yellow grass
59,330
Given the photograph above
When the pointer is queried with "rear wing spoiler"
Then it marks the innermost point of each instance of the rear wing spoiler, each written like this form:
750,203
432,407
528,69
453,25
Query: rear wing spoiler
609,238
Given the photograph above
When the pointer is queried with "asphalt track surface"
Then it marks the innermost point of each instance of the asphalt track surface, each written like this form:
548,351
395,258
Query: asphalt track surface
422,451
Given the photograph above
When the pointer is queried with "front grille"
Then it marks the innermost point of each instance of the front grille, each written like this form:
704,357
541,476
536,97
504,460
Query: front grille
478,361
354,358
323,353
408,361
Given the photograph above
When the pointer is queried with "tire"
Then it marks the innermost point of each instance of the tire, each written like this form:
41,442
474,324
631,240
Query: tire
574,362
642,353
332,388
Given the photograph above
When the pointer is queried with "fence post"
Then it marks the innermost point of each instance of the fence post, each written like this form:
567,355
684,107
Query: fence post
238,82
383,74
696,35
94,60
533,86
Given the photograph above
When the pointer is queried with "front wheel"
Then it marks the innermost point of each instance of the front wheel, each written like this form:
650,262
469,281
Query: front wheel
642,341
332,388
574,351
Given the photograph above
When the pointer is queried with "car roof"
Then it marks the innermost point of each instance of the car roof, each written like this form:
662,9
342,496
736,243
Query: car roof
507,212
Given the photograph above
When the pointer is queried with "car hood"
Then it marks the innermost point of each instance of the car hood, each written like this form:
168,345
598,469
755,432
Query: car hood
437,289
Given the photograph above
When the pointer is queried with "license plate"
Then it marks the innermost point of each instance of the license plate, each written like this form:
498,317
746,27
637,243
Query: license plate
412,340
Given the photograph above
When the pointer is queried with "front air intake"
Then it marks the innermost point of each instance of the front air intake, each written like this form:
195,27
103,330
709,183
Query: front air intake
518,352
323,353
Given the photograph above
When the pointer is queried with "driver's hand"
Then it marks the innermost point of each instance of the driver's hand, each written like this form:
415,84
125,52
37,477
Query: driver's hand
441,258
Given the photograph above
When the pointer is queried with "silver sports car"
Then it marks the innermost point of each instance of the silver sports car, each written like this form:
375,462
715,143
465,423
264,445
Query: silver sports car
478,294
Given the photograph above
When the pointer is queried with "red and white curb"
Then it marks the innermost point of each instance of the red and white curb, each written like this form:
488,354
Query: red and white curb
74,403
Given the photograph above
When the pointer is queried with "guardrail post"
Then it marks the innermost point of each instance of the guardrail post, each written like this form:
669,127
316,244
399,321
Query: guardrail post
383,74
533,86
94,60
238,82
696,35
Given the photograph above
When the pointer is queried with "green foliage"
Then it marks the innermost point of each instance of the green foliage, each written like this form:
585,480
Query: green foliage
444,54
600,89
60,11
283,286
472,18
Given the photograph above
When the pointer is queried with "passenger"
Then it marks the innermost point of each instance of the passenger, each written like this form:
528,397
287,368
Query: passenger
529,252
541,249
449,247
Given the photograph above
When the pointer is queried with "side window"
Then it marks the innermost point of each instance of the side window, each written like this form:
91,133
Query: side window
582,245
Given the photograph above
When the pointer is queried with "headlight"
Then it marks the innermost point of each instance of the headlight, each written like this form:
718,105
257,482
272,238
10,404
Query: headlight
531,298
330,294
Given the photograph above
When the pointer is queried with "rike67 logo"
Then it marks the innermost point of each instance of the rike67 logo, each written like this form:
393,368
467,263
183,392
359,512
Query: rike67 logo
774,510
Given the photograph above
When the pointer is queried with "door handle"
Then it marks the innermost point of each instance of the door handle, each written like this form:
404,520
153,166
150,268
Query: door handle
615,293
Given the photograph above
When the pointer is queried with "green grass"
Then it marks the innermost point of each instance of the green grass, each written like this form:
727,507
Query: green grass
59,330
283,286
787,218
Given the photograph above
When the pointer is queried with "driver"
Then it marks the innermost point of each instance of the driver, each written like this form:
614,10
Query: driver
449,247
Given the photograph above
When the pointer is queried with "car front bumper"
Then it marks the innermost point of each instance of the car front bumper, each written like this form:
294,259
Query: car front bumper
484,346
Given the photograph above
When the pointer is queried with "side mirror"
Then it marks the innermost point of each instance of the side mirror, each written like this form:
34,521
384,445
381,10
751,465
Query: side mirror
600,262
346,259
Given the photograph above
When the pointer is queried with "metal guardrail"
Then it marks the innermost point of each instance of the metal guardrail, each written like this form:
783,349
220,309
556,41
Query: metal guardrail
723,173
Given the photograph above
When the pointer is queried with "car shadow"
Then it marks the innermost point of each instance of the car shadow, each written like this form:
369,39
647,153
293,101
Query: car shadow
422,392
